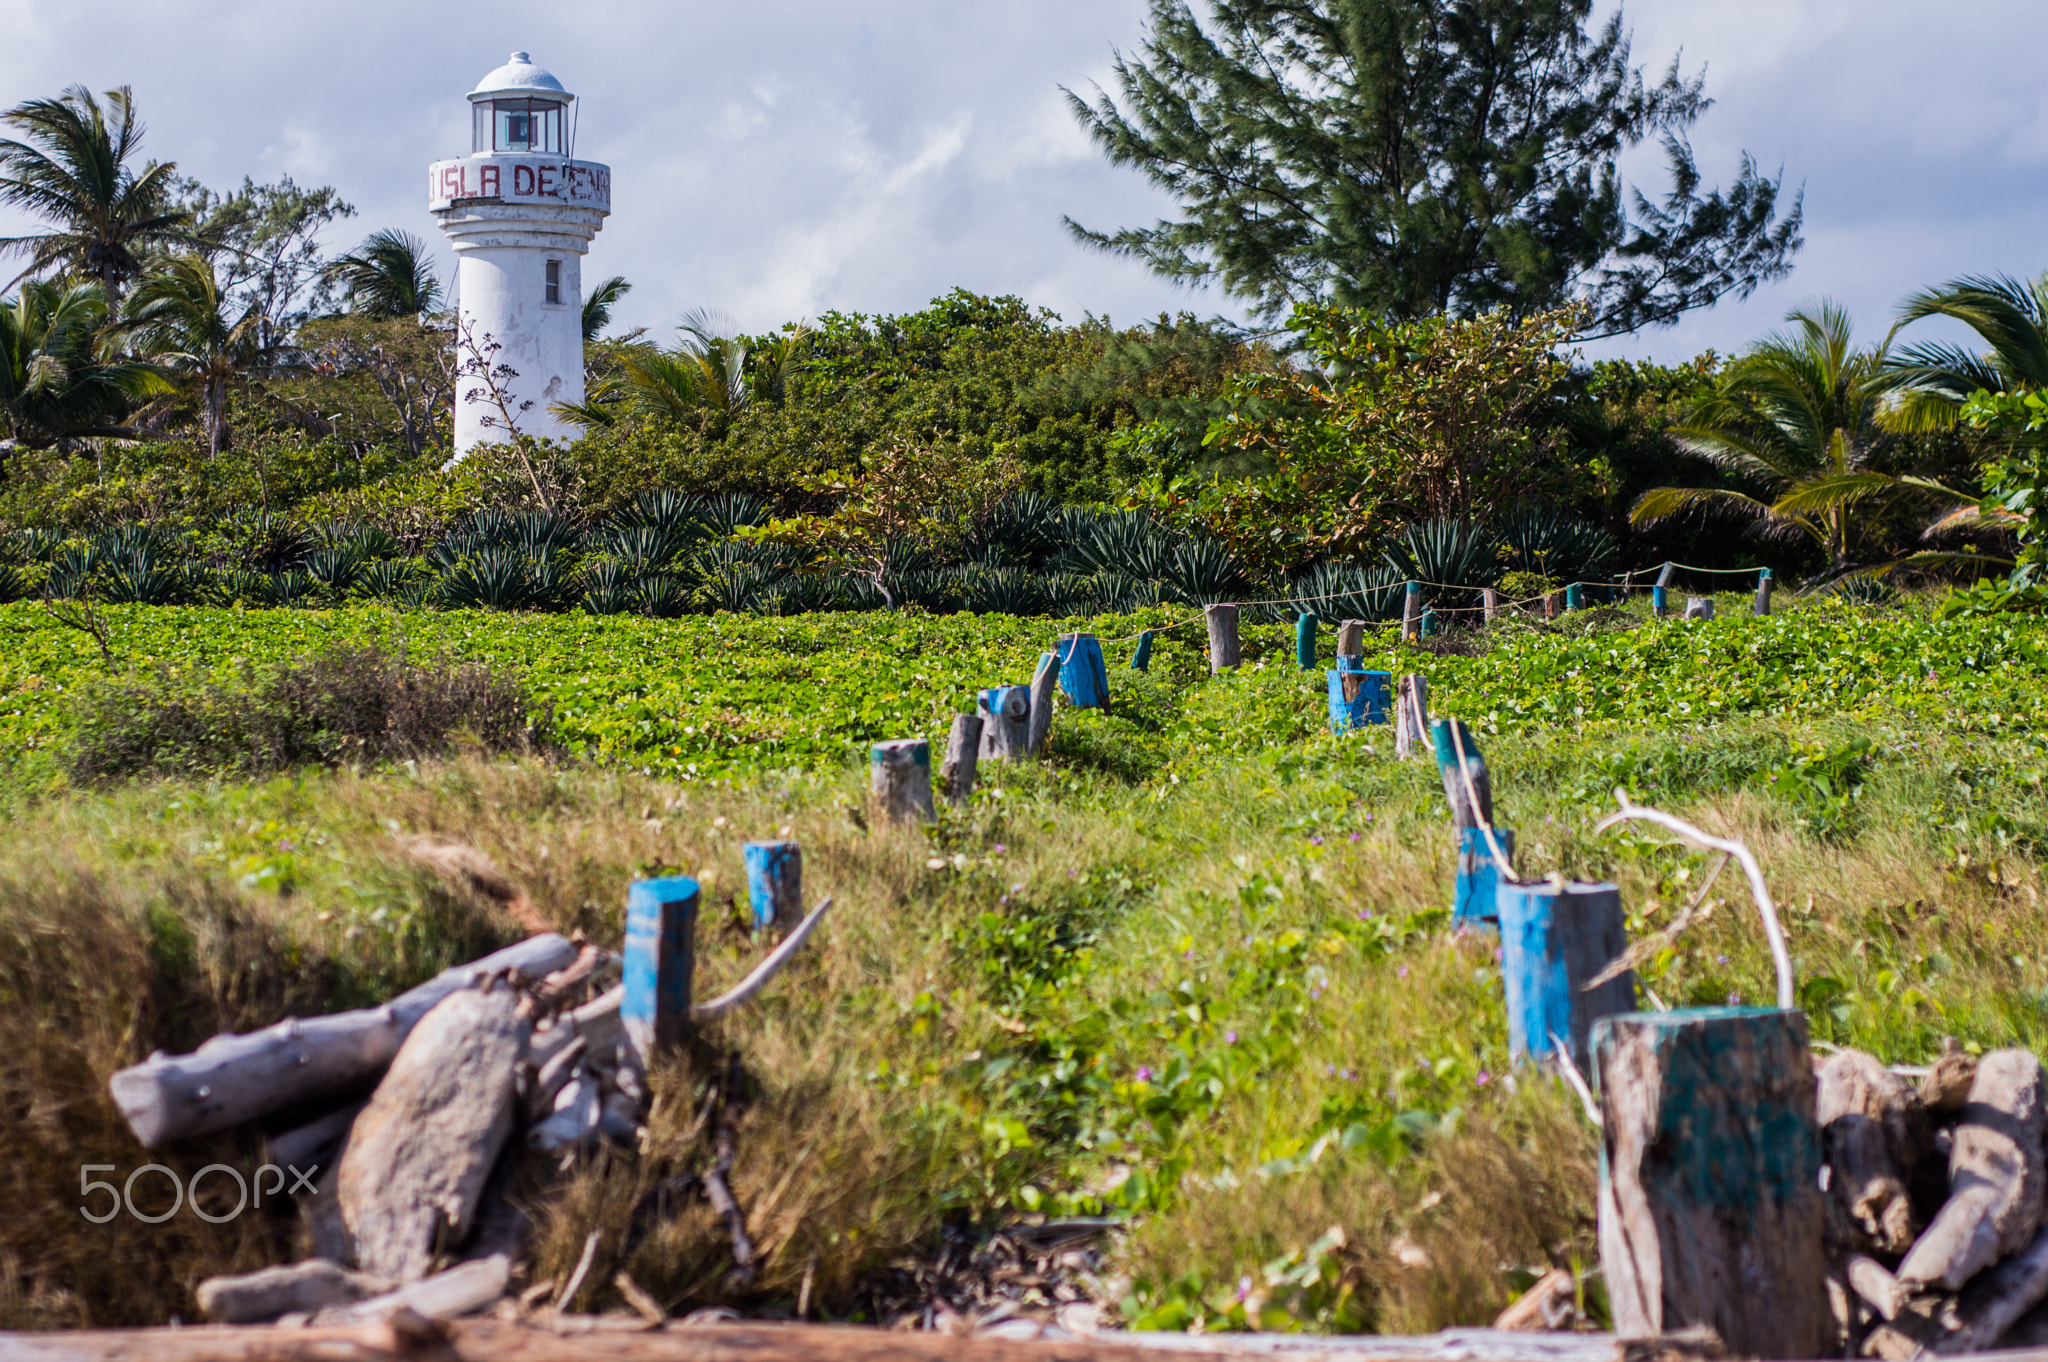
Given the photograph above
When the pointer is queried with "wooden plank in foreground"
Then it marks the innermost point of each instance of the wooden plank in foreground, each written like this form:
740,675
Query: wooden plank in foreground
585,1340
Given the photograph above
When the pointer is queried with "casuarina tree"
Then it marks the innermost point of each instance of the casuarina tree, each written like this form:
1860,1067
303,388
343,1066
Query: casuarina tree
1414,157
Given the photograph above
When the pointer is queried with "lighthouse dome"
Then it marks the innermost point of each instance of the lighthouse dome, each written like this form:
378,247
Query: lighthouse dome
519,76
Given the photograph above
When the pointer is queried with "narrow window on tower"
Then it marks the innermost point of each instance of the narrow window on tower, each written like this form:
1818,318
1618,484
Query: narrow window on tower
554,281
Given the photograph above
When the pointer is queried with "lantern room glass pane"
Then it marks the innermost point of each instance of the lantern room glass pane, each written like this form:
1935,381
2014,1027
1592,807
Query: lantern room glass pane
527,125
480,127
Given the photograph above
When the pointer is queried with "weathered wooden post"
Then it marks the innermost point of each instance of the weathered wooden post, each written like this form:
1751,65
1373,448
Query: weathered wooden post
1357,698
1489,603
775,883
654,1013
900,778
1305,641
1005,713
1711,1211
1553,604
1657,603
1141,656
1574,597
1763,592
1350,640
1084,676
1043,682
1223,653
1478,873
1555,939
1411,717
963,755
1699,607
1411,613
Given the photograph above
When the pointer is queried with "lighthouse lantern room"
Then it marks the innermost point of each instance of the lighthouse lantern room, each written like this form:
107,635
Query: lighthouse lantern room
519,212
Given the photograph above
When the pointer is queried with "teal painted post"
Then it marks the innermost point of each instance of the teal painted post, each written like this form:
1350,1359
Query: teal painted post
1305,641
1411,613
775,883
1574,597
1141,659
1711,1211
1083,674
1358,698
900,778
1428,629
661,929
1657,599
1763,592
1473,893
1463,814
1554,940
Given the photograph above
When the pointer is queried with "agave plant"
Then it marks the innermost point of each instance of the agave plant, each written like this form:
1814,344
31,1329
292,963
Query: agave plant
1349,591
340,570
371,543
1021,530
664,596
395,579
40,545
1551,544
233,586
724,515
1126,542
1445,553
266,542
1202,572
643,547
732,585
1003,591
13,586
492,578
665,509
294,590
610,588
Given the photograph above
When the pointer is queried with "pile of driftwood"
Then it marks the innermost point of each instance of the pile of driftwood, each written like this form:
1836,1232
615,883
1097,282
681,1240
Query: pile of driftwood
1935,1197
408,1121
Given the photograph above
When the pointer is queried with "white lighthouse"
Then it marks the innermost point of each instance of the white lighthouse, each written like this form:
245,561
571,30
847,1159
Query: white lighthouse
519,213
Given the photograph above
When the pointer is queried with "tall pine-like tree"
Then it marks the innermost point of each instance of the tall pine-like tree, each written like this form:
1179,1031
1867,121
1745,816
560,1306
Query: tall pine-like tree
1415,157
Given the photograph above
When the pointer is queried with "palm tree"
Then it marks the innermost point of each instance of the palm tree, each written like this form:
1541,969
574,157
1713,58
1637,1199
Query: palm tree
70,167
706,376
55,383
178,318
389,275
1937,378
597,308
1797,416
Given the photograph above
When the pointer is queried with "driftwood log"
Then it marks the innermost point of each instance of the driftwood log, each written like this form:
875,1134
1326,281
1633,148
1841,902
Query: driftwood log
628,1339
298,1288
1996,1179
459,1291
1873,1132
1997,1300
1710,1205
314,1062
419,1154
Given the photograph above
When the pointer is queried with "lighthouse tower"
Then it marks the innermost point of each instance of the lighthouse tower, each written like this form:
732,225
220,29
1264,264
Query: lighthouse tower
520,214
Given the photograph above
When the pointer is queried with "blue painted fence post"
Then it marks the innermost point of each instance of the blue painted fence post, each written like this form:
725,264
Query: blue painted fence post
1658,604
661,929
1411,613
1473,892
1428,629
1005,713
1469,792
1083,674
1555,939
1141,659
1305,641
775,883
1574,597
1358,698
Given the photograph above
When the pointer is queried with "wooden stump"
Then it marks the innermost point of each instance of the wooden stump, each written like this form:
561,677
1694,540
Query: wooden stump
1044,681
1657,592
1411,717
1873,1134
1553,604
1699,607
1489,604
1005,713
1223,651
963,752
1351,639
1141,656
1411,613
1763,592
1710,1204
1357,698
900,779
661,948
1305,641
775,883
1084,676
420,1153
1555,939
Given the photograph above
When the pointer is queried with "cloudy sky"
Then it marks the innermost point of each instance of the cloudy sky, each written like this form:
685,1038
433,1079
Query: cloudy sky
785,157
